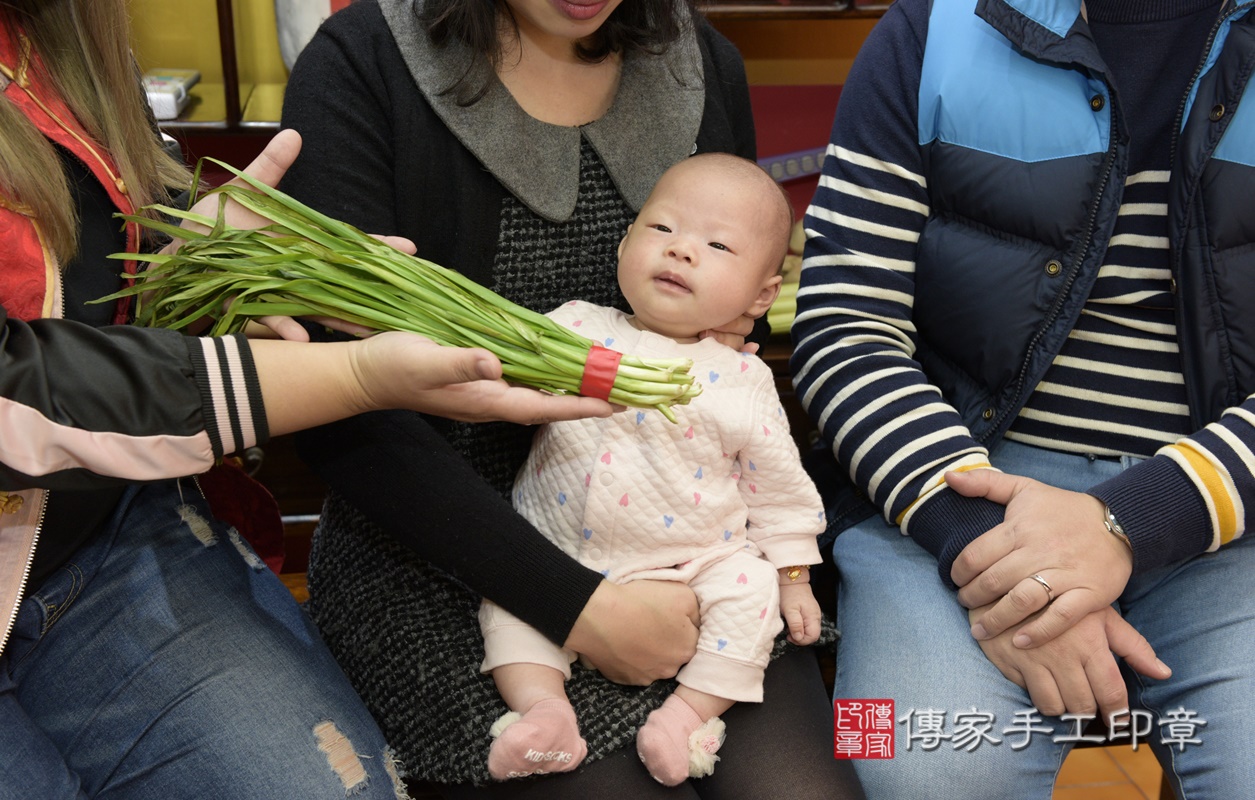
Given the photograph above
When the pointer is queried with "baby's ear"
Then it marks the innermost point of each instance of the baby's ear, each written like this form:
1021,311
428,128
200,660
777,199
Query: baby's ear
619,253
766,296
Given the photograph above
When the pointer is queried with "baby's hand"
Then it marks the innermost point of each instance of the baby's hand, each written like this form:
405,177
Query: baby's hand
801,612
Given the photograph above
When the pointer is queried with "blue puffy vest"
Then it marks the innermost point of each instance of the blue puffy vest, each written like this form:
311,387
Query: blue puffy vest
1026,157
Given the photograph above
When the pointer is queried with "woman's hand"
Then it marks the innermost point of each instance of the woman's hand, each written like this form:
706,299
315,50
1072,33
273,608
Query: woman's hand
269,167
1052,533
733,334
1077,672
405,370
304,385
636,633
290,329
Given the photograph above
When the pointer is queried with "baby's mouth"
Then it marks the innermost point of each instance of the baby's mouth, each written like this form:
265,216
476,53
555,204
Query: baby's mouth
672,279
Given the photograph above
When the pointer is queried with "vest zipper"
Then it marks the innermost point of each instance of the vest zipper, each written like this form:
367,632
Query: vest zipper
26,572
1075,269
1175,260
1198,70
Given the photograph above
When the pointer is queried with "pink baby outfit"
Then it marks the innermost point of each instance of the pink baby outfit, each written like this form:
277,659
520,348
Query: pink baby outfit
719,501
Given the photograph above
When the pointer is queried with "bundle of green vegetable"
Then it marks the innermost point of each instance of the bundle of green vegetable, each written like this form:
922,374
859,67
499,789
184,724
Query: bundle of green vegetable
307,264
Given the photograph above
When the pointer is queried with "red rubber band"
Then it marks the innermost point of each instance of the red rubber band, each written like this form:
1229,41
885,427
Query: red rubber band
599,371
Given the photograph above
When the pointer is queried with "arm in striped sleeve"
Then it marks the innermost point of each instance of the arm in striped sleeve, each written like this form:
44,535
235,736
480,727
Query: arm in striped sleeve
1191,497
82,407
854,339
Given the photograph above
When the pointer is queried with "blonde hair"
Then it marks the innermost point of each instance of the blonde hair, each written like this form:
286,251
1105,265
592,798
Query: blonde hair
84,46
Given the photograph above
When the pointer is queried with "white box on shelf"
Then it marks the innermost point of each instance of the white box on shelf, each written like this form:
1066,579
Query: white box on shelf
168,90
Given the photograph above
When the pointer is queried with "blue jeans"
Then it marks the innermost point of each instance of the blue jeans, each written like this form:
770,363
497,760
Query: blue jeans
905,637
166,661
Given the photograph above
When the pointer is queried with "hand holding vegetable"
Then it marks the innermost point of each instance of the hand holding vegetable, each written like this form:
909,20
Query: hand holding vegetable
304,385
269,167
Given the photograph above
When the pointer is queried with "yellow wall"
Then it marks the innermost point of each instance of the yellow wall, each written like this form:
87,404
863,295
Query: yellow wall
184,34
257,42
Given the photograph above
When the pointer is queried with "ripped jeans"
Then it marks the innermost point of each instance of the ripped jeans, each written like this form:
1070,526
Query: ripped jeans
165,661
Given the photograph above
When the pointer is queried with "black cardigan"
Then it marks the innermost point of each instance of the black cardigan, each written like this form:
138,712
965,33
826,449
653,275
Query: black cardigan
378,156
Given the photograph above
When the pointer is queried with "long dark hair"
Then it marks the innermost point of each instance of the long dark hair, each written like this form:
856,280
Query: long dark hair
636,25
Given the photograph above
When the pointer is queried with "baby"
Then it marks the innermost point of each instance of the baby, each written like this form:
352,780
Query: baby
718,501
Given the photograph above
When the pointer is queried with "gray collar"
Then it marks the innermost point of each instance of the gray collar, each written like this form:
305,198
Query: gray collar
652,123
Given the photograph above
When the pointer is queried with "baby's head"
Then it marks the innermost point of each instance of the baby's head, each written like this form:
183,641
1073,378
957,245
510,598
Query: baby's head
707,246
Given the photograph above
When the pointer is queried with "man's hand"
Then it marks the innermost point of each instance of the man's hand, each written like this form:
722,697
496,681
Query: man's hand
638,632
1052,533
1076,672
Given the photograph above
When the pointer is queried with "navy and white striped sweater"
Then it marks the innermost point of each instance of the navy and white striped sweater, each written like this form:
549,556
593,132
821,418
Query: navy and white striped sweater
1102,375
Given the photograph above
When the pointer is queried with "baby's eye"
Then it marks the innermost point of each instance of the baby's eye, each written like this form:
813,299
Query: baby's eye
662,228
718,246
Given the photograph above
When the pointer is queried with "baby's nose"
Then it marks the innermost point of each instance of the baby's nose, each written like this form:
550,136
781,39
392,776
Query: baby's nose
682,251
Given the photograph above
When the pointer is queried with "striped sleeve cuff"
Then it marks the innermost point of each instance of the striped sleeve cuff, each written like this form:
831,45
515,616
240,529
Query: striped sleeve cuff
234,416
1162,513
946,522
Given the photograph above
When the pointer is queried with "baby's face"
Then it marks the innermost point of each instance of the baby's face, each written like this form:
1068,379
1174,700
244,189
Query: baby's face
702,252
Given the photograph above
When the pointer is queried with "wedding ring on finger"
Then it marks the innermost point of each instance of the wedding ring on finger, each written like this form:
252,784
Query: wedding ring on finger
1050,593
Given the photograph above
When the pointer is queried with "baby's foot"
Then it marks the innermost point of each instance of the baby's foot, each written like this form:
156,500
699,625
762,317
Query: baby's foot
545,739
676,745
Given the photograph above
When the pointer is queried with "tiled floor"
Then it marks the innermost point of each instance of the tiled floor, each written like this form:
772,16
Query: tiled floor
1109,773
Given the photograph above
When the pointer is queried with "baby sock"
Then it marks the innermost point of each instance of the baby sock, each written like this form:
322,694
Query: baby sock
545,739
676,745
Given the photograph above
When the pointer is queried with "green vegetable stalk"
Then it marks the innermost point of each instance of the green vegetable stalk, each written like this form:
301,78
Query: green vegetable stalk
307,264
